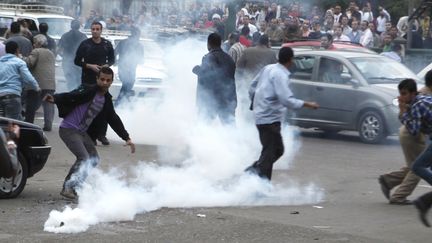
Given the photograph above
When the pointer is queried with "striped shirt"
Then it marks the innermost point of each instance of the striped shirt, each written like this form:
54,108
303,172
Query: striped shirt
236,51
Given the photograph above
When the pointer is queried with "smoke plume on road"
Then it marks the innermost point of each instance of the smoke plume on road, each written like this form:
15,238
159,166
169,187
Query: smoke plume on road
201,164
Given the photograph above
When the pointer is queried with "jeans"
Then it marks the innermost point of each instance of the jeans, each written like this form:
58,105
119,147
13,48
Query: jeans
82,146
422,165
10,107
272,149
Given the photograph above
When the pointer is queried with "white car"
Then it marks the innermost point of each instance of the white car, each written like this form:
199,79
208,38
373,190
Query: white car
54,16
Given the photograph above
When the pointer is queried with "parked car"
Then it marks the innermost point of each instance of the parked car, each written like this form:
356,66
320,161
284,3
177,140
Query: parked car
33,151
35,14
316,44
421,75
356,91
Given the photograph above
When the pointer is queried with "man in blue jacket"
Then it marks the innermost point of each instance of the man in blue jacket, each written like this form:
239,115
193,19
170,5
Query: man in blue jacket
14,74
83,110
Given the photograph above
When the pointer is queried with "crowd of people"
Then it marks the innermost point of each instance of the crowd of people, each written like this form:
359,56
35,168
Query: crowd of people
27,75
361,22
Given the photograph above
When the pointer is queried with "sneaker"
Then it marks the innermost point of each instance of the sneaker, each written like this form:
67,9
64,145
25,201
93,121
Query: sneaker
69,193
104,140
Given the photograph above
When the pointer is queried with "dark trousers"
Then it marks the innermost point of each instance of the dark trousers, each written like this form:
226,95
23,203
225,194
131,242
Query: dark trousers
82,146
426,199
272,149
127,78
34,101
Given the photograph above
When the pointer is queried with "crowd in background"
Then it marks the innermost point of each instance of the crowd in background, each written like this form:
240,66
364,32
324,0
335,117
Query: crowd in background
361,22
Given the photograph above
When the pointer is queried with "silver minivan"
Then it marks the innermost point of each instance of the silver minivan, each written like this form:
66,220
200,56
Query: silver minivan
356,91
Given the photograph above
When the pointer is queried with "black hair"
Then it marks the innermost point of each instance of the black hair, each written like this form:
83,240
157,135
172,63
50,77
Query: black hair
408,84
214,40
263,40
235,36
11,47
43,28
285,55
245,31
75,24
15,27
106,70
97,23
428,78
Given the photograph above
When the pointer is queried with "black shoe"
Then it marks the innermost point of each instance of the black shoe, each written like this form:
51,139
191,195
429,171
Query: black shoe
104,140
46,129
69,193
384,187
423,209
404,202
253,169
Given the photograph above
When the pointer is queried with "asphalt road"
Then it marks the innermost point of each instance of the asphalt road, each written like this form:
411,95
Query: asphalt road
354,209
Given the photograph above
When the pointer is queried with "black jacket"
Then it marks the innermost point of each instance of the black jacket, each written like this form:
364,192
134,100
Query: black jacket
93,53
66,102
216,83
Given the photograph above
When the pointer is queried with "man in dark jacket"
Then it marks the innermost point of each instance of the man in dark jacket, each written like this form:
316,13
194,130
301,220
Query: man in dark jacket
216,91
83,110
131,53
94,53
67,48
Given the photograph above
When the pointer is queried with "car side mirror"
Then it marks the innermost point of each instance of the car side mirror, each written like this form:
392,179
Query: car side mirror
354,82
346,77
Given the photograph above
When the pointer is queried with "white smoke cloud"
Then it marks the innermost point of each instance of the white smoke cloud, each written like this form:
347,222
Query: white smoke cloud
200,165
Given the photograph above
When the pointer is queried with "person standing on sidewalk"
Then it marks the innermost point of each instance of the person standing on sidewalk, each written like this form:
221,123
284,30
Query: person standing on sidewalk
83,110
412,146
271,95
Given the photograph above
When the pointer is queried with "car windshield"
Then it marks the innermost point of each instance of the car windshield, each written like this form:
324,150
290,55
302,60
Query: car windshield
56,26
380,69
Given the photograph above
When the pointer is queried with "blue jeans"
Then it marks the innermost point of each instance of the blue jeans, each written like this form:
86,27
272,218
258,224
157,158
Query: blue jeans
422,165
10,106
